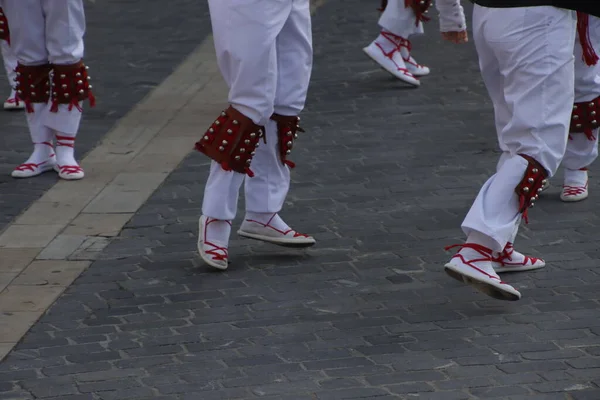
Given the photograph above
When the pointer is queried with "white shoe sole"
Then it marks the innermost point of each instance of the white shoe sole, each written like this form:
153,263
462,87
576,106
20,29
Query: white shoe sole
283,241
518,268
30,174
200,245
490,287
13,107
69,177
416,72
572,199
414,82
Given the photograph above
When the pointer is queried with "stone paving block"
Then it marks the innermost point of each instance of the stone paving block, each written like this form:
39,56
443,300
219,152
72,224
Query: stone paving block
28,236
28,298
105,225
51,273
50,213
14,324
61,247
15,260
126,193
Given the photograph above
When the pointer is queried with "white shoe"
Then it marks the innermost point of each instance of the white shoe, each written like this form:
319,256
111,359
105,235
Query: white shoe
511,260
69,172
214,254
415,68
267,233
574,192
392,63
574,189
479,273
29,170
11,103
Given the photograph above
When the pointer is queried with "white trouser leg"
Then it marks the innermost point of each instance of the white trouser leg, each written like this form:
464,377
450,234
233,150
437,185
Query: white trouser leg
400,20
26,19
245,36
581,151
267,190
65,27
530,49
10,62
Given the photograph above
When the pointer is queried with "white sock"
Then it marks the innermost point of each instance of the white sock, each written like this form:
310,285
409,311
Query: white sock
471,254
386,44
270,219
575,177
218,231
65,150
41,136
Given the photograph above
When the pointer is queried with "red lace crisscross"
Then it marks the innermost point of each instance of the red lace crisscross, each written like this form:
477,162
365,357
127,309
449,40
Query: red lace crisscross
574,190
29,166
70,169
214,252
399,42
284,233
484,251
507,253
32,166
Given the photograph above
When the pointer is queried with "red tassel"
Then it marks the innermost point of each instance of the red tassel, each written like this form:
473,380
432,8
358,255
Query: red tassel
54,107
249,172
290,164
225,166
28,107
91,98
589,55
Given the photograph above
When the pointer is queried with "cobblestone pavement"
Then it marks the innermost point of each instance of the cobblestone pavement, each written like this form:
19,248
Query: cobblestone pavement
131,46
385,176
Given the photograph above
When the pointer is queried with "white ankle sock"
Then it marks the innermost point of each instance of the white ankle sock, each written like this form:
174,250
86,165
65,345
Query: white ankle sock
575,177
218,231
386,44
271,219
41,136
65,149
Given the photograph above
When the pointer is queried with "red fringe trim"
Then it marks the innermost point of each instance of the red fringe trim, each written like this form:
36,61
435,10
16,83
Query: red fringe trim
589,55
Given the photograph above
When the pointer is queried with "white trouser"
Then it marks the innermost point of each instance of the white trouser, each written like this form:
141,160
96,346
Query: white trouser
10,62
581,151
264,52
526,61
400,20
48,31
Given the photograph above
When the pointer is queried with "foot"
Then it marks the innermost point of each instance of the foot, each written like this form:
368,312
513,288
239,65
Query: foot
511,260
575,187
66,166
41,160
385,52
415,68
270,228
69,172
473,266
411,64
213,237
11,103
